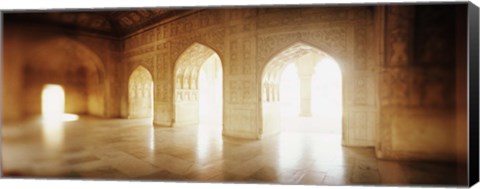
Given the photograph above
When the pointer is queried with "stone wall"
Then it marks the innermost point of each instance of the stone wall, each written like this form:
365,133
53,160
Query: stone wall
84,64
417,90
245,40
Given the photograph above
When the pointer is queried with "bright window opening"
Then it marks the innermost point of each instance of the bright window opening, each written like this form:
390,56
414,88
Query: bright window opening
325,99
53,104
327,96
210,108
53,114
210,92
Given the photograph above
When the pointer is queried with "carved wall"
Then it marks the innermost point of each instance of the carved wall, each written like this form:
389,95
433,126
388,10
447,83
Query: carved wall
166,43
245,40
341,33
417,95
397,63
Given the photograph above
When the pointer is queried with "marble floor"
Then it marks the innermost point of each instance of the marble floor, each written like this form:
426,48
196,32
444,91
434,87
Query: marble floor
117,149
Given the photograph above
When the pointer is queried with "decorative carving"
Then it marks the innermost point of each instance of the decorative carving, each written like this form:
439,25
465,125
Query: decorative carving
178,64
187,67
145,61
302,16
333,39
216,38
242,27
241,57
163,66
190,24
236,14
140,51
140,88
360,50
165,46
399,30
360,91
242,92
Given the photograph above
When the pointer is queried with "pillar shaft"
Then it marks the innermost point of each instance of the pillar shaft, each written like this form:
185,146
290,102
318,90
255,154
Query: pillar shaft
306,69
305,95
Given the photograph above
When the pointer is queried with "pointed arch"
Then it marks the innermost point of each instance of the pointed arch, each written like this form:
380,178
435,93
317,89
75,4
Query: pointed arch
140,93
280,58
339,58
187,72
271,77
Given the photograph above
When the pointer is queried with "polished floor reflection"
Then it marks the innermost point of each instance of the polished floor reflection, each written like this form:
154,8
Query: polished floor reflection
133,149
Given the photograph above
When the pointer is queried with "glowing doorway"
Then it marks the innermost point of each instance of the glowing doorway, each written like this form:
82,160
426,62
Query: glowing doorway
53,115
325,99
198,88
302,92
327,96
199,96
210,92
53,102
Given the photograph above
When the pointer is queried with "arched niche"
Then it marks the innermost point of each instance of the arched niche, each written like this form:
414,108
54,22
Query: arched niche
188,69
140,93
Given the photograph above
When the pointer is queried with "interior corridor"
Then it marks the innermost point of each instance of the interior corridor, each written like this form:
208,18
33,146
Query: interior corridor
198,94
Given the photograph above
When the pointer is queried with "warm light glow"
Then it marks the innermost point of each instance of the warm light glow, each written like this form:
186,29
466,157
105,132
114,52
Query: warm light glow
152,138
210,92
327,96
53,102
326,89
210,97
53,105
326,99
291,149
69,117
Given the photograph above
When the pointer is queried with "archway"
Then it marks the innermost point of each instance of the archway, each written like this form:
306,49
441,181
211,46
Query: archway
140,93
61,78
198,87
70,65
302,92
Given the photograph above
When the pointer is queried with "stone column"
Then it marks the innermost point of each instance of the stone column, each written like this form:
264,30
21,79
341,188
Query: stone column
305,70
305,94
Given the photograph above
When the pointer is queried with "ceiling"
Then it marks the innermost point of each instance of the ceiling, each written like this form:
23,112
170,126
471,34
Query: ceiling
118,23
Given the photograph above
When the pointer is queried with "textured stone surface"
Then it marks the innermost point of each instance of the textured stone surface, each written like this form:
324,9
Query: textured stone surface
417,87
398,67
